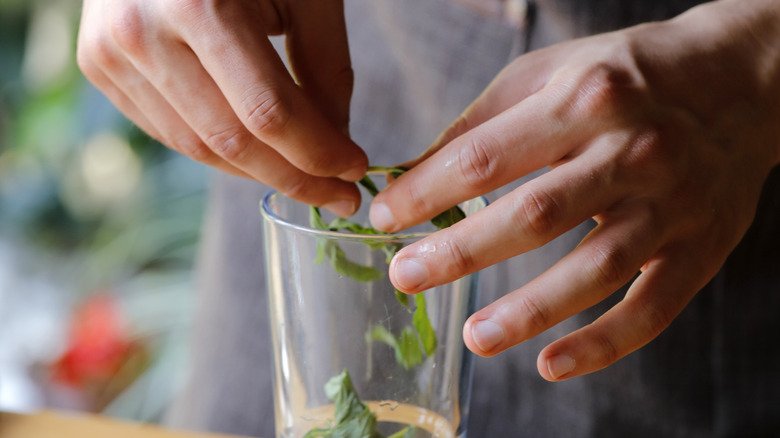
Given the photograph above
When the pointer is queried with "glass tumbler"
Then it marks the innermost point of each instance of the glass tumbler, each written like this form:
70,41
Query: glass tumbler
352,356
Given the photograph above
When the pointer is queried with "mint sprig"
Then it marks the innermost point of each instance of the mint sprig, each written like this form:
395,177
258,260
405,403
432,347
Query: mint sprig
406,345
352,417
337,256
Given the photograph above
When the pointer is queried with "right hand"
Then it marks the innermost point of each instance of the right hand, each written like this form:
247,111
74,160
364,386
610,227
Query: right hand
202,77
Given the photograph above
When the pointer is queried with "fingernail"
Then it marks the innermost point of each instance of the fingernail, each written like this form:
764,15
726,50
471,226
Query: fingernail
381,217
342,208
410,274
487,334
560,365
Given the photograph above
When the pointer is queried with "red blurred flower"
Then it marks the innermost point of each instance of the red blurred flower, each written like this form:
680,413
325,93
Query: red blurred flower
98,344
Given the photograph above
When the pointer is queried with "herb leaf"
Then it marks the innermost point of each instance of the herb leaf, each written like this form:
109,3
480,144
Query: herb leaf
423,325
402,298
406,432
344,266
406,346
352,419
448,218
342,224
338,258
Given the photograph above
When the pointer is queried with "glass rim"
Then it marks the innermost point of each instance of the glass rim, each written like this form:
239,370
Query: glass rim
341,235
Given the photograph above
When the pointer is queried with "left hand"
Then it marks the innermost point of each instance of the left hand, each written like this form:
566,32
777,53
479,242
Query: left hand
664,133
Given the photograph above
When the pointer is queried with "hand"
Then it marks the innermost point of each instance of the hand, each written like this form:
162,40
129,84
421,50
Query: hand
203,78
664,133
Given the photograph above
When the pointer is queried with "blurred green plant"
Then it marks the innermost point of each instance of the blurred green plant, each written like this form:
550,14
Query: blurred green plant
81,184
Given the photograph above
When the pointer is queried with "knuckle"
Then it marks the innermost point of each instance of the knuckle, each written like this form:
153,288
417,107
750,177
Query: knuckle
602,88
416,203
295,188
126,27
231,144
318,164
478,162
655,319
538,211
649,150
193,147
266,112
536,318
607,349
97,52
460,259
610,267
86,63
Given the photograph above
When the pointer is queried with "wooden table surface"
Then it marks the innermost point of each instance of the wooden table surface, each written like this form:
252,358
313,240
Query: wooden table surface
52,424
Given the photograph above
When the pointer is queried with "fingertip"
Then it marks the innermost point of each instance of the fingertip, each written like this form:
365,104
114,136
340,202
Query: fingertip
409,274
357,170
342,208
556,366
382,218
484,337
355,173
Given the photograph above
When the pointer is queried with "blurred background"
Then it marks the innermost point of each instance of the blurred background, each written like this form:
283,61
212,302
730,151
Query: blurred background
98,233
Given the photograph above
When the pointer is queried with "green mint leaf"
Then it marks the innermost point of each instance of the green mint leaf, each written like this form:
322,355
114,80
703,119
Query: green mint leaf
315,219
406,432
409,348
343,224
343,394
448,218
344,266
352,417
380,334
319,432
402,297
423,325
406,347
338,258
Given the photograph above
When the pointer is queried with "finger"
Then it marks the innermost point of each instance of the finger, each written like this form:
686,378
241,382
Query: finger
606,259
90,47
104,64
522,220
120,100
250,74
223,132
524,138
319,56
177,77
652,302
519,80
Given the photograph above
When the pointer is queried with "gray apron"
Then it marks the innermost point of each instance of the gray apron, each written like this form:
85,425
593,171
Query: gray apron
715,372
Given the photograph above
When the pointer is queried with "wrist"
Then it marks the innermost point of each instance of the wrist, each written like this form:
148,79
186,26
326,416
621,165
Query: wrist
751,32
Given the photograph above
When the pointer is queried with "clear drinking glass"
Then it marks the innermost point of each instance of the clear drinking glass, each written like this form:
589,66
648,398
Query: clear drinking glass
333,309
